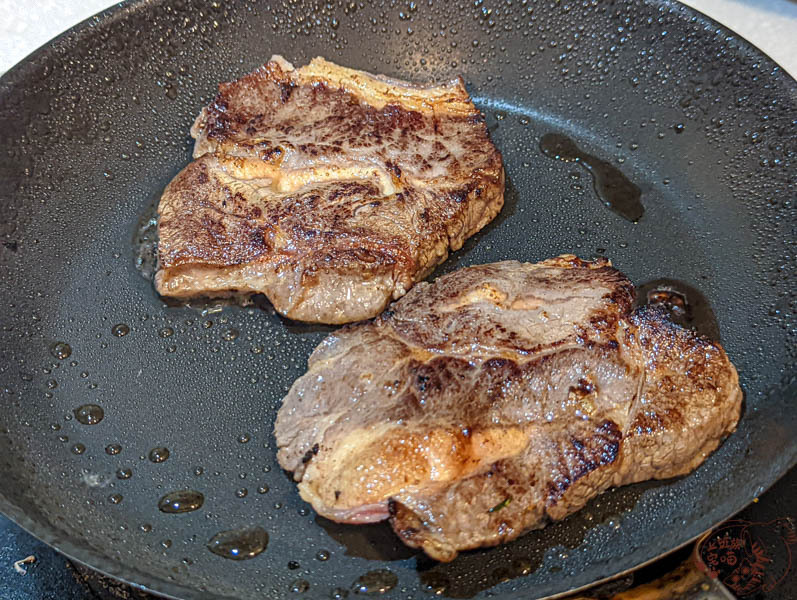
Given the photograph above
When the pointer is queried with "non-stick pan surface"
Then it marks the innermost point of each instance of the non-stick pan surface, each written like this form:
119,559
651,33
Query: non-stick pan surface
96,123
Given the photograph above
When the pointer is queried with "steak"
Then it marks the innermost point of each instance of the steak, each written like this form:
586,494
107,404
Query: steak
329,190
499,398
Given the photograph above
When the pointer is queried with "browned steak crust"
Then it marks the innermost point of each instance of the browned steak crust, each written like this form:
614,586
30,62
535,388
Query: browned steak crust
329,190
498,398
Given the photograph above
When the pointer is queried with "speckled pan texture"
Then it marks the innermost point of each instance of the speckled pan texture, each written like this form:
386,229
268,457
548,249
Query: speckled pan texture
94,125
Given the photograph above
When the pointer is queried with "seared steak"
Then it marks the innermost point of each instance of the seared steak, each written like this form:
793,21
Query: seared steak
329,190
500,397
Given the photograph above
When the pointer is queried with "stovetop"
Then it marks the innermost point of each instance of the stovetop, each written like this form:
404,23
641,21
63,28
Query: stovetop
749,556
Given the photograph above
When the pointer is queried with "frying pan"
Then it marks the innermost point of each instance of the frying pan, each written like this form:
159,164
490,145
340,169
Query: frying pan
96,123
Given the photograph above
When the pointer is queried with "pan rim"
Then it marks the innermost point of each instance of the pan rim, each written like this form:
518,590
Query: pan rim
130,575
104,565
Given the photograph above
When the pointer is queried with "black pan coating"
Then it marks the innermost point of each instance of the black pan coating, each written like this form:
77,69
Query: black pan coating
95,124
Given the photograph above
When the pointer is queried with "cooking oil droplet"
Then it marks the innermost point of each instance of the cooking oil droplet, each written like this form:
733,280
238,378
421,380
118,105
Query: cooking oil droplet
198,471
166,332
89,414
322,555
231,334
115,498
61,350
120,330
166,544
52,384
434,583
159,454
244,438
299,586
78,448
613,188
375,582
124,473
262,489
241,493
293,565
145,527
522,567
181,501
339,594
239,544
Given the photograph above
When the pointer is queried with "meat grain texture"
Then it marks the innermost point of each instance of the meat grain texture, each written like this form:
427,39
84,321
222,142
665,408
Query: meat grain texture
499,398
329,190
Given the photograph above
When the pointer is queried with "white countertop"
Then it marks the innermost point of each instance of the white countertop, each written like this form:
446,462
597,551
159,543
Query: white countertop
769,24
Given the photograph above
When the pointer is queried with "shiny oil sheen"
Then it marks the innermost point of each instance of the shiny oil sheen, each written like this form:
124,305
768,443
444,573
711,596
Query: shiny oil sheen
613,188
